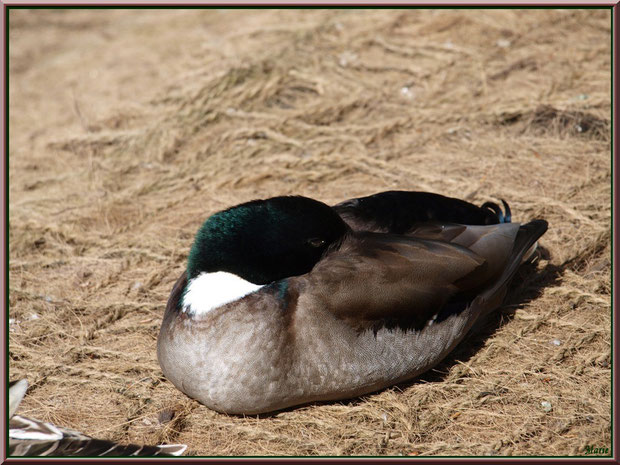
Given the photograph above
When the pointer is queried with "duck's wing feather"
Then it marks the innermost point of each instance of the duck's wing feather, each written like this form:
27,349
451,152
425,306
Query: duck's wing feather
398,211
17,390
29,437
377,280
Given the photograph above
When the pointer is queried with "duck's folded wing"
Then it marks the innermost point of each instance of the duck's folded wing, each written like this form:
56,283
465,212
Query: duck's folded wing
493,243
379,280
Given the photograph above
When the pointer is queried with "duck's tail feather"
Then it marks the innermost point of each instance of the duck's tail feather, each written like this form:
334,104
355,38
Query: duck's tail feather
524,247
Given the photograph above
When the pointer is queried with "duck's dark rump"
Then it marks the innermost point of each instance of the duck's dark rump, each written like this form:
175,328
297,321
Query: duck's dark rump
398,211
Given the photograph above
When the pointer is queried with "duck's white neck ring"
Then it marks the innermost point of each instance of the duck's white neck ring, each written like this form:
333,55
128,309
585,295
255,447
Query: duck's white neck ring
208,291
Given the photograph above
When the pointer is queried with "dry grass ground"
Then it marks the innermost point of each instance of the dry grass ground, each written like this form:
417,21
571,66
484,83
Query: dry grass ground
128,128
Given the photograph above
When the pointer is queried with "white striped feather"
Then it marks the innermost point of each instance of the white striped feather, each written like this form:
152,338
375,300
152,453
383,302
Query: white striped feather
29,437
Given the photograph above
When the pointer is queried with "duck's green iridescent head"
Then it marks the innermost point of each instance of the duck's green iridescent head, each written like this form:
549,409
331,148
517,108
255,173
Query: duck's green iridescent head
266,240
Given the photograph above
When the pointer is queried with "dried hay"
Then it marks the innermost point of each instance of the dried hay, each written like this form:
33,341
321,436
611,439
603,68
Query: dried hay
128,128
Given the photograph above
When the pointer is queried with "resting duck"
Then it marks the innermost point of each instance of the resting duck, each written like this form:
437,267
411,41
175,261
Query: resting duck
28,437
287,300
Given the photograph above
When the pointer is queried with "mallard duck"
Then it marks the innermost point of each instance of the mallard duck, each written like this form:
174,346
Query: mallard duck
28,437
287,300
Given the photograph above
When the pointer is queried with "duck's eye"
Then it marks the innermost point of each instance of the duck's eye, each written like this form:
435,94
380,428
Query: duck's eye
316,242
